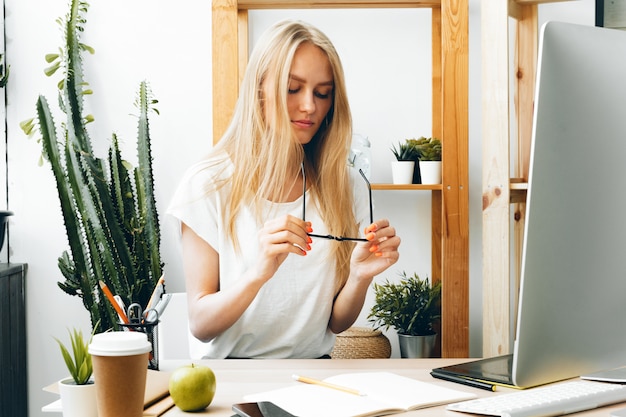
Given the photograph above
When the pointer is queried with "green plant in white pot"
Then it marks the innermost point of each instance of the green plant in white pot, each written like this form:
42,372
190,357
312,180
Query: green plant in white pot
78,394
411,306
403,167
430,151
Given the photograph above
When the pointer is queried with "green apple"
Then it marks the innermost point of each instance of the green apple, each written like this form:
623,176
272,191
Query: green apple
192,387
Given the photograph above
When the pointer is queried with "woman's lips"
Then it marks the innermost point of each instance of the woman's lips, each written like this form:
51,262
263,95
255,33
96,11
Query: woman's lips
303,124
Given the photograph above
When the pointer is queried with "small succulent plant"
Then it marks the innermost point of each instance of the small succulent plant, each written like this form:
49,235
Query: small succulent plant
405,152
78,361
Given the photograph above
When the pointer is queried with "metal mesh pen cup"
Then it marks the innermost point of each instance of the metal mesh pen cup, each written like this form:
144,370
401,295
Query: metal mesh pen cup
152,332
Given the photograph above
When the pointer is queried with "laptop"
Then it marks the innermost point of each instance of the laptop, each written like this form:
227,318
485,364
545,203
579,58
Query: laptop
571,317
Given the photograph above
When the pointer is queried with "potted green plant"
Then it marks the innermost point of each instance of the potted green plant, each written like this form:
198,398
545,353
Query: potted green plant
403,167
429,159
411,306
108,206
78,393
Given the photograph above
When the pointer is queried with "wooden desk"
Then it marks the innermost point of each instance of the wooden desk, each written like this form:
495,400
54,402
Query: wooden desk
236,378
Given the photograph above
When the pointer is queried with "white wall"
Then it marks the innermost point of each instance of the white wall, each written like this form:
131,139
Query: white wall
170,46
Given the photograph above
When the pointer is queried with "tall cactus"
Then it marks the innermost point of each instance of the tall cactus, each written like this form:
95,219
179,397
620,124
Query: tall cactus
108,207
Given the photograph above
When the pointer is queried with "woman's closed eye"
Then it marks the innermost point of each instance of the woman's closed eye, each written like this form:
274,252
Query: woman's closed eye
317,93
322,95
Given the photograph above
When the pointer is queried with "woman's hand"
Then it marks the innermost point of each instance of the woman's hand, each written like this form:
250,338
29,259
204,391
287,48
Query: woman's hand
277,239
378,253
211,310
368,259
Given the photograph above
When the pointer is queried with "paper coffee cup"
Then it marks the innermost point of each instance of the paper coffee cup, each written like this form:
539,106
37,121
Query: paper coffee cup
120,366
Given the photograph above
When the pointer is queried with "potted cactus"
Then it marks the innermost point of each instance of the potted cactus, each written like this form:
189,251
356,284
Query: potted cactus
108,207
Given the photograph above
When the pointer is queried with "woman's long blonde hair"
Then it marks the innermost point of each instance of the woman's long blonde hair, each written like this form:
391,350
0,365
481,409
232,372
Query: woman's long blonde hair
265,153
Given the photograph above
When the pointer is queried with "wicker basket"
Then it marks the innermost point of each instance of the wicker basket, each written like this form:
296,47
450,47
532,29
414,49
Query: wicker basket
361,343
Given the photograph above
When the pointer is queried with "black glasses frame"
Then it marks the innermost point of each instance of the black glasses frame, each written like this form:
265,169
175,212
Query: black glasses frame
331,237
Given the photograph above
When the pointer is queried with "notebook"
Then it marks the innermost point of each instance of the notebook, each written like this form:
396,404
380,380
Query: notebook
382,393
571,317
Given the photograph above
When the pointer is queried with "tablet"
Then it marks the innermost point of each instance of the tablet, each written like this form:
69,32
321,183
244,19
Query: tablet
260,409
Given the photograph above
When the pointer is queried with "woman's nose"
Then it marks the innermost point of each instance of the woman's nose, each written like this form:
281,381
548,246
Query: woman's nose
307,103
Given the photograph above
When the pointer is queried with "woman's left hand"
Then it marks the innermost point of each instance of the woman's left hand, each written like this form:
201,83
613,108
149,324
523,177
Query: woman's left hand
378,253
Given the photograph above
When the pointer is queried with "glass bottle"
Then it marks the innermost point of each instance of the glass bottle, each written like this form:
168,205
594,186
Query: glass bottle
360,154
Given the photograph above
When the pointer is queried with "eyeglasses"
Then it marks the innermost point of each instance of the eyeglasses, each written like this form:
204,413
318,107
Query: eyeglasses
331,237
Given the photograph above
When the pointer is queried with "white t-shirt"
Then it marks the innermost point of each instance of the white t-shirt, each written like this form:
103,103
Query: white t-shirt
289,317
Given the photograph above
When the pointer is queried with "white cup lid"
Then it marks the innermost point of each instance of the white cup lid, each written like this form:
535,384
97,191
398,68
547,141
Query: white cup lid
119,344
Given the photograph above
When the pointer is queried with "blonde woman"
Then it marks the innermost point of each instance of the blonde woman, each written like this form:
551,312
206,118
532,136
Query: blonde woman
265,217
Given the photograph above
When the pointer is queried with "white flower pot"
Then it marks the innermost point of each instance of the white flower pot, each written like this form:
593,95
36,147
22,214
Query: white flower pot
402,171
430,171
78,400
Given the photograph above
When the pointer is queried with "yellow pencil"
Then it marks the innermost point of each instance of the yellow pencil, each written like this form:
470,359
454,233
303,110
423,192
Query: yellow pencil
313,381
111,298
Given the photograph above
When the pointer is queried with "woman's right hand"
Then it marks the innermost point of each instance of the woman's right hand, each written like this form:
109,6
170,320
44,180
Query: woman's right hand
277,239
213,310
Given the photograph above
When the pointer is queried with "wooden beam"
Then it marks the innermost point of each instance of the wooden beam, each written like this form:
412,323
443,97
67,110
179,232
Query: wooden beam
455,265
526,51
495,193
332,4
243,49
537,2
437,126
225,64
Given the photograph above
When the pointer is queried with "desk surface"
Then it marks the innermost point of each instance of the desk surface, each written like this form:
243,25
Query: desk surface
236,378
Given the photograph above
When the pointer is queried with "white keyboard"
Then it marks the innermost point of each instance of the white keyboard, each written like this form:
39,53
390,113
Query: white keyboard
552,400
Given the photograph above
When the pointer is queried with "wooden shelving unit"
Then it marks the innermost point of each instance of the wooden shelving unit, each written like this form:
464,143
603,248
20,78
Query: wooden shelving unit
499,189
450,234
450,201
431,187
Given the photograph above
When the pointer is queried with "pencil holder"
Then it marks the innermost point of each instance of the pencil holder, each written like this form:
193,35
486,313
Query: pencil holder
152,332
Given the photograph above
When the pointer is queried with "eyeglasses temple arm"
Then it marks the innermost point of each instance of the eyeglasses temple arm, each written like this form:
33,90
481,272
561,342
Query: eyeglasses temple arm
303,192
369,188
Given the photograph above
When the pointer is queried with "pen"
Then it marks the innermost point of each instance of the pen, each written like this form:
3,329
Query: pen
120,302
162,303
308,380
465,381
111,299
156,294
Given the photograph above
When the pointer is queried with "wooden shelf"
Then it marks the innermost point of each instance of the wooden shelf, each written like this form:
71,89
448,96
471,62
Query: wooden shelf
406,187
331,4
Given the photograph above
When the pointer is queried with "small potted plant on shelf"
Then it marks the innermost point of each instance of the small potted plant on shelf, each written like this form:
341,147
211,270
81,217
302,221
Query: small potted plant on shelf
403,167
78,392
411,306
429,159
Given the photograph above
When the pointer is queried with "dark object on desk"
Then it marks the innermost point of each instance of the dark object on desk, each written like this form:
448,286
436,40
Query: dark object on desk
497,370
260,409
4,219
463,380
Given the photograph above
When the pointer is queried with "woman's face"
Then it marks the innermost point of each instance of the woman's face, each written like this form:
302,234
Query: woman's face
310,94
